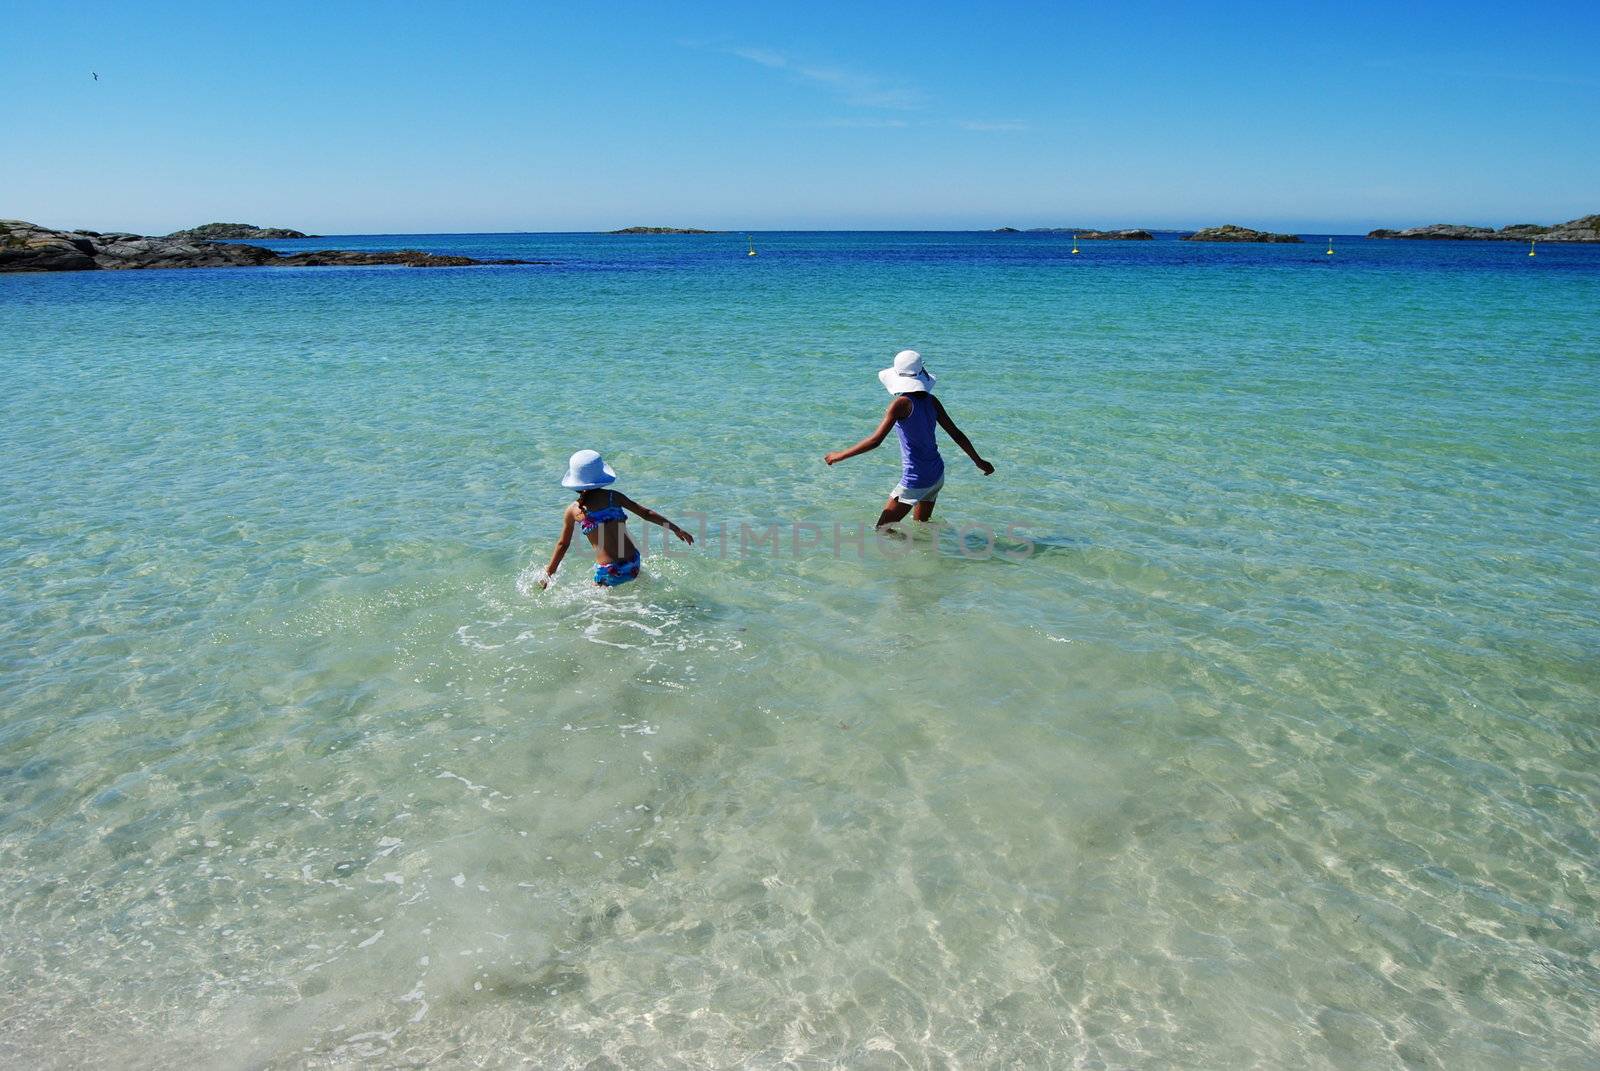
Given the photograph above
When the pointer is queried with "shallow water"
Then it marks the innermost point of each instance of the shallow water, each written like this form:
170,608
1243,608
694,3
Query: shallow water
1278,749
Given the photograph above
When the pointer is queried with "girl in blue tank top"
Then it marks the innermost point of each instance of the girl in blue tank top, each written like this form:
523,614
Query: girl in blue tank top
914,415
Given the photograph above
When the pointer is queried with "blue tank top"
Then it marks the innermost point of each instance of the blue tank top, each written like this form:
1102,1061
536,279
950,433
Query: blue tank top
920,463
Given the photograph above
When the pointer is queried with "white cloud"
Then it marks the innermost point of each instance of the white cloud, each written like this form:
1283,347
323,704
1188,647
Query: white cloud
852,87
860,91
860,122
764,56
992,125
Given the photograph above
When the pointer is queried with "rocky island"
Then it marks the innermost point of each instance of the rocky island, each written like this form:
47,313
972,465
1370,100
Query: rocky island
29,247
230,231
1088,234
1585,229
661,230
1105,236
1230,233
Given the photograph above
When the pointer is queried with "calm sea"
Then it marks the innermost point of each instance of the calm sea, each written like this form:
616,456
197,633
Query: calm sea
1248,716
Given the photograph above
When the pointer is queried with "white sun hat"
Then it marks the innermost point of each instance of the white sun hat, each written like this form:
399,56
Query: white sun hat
907,374
586,471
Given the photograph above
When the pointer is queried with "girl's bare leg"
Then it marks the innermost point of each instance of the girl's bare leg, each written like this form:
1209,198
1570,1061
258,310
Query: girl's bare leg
893,510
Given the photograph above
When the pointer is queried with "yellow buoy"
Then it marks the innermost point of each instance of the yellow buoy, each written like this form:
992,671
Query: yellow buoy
1330,248
1074,243
1531,244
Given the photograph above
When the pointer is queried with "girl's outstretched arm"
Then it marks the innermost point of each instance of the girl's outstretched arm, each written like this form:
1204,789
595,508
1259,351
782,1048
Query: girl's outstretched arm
897,410
960,439
561,549
653,517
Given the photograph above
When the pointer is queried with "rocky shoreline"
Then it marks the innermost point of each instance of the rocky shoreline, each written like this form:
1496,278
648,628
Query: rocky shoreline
1231,233
1584,229
27,247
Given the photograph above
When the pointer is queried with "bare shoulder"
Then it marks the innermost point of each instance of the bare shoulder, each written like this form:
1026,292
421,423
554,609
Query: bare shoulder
899,407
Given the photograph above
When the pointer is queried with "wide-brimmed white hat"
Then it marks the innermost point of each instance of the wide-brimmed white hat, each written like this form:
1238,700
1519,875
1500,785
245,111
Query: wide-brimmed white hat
586,471
907,374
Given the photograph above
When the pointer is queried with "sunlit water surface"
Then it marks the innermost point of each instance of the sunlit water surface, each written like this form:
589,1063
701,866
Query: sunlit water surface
1279,750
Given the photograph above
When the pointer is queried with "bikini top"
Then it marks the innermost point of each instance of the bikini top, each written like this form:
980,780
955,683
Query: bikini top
612,512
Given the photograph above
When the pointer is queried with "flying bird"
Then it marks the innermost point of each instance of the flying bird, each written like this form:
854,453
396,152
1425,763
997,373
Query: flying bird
96,76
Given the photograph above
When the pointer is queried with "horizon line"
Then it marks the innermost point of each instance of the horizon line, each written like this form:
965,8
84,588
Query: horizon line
712,232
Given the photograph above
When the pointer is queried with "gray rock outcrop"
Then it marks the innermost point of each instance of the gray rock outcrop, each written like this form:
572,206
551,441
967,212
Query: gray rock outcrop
1115,236
232,231
1088,234
29,247
661,230
1230,233
1585,229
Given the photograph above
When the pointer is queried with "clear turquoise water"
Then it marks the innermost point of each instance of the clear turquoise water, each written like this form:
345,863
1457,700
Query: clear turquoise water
1280,751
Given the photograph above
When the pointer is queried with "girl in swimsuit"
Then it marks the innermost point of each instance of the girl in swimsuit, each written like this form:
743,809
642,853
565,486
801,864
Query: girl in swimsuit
601,516
913,414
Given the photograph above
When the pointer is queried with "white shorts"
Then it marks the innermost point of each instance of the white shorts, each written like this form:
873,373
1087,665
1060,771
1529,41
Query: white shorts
912,495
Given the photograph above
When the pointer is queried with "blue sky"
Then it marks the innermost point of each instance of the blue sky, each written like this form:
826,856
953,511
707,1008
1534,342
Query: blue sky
352,117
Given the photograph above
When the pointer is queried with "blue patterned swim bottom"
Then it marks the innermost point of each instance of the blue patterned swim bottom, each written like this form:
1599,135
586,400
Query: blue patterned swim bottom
614,573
